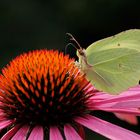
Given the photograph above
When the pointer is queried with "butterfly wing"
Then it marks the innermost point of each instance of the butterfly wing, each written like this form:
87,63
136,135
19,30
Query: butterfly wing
115,62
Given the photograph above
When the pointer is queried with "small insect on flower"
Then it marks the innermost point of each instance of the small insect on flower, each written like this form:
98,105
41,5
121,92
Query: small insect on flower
112,64
45,96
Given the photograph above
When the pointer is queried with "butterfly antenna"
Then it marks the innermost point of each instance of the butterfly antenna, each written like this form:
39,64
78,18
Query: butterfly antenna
74,40
68,45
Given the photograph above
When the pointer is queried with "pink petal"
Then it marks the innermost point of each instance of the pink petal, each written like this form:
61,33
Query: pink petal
131,94
21,133
71,133
107,129
127,104
5,123
2,117
133,111
10,133
101,96
81,131
132,119
121,104
128,99
37,133
55,133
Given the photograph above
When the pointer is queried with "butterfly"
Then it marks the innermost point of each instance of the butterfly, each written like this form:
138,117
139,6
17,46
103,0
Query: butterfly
112,64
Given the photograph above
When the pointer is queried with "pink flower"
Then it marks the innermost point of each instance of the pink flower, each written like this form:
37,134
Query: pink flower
43,95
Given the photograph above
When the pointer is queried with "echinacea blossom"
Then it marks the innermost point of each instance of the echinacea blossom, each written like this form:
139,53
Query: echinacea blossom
45,96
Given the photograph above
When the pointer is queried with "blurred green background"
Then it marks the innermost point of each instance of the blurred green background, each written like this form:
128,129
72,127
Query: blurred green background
34,24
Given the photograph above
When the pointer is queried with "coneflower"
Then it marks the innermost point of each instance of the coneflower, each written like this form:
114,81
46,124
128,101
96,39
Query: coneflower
45,96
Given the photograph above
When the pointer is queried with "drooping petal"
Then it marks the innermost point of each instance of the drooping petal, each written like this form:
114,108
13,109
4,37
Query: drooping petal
127,100
5,123
129,95
101,96
127,104
10,133
130,107
21,133
107,129
55,133
81,131
2,115
134,111
132,119
121,104
37,133
71,133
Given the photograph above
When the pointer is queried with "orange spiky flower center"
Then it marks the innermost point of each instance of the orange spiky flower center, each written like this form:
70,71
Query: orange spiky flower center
43,87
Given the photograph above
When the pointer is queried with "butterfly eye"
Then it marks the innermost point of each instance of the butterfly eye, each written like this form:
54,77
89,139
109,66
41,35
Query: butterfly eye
82,52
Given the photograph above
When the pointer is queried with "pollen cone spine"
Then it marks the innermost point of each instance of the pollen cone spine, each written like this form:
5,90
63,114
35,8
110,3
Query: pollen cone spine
43,84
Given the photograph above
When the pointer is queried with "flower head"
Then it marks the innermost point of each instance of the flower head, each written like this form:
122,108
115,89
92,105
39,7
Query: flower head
42,87
44,95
